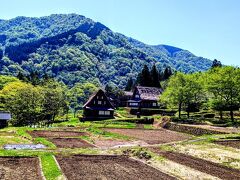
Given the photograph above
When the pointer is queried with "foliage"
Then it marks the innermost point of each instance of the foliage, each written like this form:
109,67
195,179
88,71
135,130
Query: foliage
184,90
224,86
79,94
29,105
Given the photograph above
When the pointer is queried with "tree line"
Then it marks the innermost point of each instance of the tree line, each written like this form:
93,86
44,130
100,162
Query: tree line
149,78
217,88
35,100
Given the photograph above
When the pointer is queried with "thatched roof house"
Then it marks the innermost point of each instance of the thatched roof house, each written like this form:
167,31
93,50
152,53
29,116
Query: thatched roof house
98,107
145,97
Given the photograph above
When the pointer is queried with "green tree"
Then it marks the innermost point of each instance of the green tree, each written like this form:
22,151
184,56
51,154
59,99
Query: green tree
224,85
155,77
24,101
129,85
54,99
79,94
184,91
174,95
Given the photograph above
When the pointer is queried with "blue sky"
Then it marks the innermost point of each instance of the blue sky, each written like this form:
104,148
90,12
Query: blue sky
207,28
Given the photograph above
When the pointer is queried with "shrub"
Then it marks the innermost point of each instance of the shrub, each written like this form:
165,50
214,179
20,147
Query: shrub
209,115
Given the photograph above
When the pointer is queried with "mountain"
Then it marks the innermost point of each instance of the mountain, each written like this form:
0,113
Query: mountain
73,48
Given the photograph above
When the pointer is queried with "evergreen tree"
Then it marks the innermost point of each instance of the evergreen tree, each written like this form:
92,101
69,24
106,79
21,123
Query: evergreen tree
146,77
1,53
21,77
129,85
216,63
167,73
155,77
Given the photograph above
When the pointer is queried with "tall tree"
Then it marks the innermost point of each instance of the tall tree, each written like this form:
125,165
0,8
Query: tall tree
155,77
129,85
1,53
167,73
144,77
216,63
224,86
184,91
174,95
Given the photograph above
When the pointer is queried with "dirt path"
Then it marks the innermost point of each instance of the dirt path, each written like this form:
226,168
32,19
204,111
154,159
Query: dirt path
151,136
70,143
108,167
208,167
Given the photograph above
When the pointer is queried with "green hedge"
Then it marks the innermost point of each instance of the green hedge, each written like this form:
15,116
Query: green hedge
144,120
150,112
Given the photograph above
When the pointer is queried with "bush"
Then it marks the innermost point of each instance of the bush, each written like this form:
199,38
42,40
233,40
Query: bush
209,115
150,112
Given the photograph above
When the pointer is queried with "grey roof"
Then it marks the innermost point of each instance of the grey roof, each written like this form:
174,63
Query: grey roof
149,93
93,95
5,116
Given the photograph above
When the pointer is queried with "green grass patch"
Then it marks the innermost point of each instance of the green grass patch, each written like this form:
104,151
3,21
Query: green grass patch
97,131
45,142
49,167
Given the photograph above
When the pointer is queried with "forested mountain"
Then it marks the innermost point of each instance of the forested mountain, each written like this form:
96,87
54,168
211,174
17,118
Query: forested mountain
73,49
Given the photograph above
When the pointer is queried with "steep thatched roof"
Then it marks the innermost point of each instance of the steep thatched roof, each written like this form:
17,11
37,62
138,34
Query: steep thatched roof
95,94
149,93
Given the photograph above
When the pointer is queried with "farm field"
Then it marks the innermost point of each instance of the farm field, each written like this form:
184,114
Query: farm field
108,167
118,150
20,168
151,136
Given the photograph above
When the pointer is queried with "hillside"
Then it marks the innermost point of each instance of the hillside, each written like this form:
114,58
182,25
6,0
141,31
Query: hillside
73,49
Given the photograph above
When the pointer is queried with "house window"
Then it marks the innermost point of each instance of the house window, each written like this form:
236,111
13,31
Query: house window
101,112
106,113
133,104
154,104
99,102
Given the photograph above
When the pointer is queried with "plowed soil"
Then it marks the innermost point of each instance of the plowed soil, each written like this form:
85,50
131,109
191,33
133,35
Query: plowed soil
151,136
56,133
20,168
70,143
230,143
208,167
107,167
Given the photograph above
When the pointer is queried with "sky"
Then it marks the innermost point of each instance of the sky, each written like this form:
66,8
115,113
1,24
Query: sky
207,28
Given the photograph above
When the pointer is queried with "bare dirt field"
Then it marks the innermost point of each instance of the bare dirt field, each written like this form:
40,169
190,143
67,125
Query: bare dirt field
151,136
110,143
43,133
208,167
107,167
20,168
230,143
70,143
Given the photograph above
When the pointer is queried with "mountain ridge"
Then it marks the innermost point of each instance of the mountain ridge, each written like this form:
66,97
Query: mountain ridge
44,44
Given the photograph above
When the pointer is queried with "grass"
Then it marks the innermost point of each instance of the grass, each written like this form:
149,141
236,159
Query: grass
49,167
97,131
45,142
148,126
